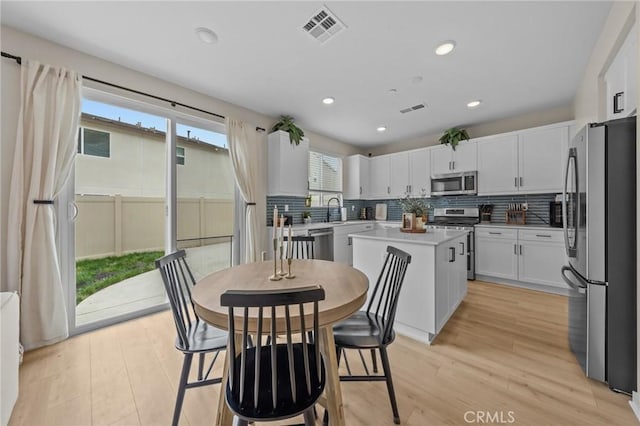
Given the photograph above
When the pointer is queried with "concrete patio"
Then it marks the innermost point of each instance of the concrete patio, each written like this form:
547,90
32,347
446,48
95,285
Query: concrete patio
147,290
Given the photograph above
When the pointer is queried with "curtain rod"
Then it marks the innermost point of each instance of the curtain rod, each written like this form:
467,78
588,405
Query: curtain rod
18,59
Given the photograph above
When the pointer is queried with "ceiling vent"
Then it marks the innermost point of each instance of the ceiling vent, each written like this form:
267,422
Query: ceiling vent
323,25
413,108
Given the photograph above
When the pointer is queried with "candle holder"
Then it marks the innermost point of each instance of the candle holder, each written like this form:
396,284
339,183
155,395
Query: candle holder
275,276
289,275
282,273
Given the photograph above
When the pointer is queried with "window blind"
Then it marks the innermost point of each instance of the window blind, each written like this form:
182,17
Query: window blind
325,172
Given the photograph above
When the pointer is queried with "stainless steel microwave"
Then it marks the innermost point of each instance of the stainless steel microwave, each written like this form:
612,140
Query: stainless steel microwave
455,183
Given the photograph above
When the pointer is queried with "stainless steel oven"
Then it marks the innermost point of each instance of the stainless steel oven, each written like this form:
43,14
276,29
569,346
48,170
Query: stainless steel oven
454,183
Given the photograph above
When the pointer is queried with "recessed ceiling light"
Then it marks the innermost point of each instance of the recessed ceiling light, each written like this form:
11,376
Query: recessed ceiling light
445,48
206,35
474,104
381,129
328,101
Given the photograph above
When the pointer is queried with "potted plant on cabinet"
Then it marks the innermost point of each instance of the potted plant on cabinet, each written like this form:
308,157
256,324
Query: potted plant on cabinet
453,136
286,125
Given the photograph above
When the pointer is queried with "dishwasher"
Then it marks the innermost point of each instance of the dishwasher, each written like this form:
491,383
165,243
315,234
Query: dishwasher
323,243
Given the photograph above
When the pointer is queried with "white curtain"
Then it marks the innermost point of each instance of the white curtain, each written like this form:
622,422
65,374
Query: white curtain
243,150
45,149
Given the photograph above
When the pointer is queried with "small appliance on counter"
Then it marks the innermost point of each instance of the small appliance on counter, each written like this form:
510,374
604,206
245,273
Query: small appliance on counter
288,219
555,212
381,212
343,214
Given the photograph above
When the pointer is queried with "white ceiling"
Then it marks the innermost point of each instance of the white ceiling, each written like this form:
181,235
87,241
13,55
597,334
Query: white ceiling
515,56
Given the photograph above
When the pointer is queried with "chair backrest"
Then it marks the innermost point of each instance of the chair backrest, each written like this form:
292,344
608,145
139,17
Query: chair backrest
178,282
384,300
303,246
269,300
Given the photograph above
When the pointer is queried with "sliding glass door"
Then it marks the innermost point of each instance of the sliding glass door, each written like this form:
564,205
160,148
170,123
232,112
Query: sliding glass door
120,211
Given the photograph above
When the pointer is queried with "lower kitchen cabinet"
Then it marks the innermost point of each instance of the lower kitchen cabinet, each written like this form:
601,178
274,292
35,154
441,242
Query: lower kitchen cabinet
451,279
524,255
342,244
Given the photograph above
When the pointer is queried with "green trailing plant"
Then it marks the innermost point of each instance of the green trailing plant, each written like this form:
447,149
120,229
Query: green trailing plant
453,136
306,215
415,205
286,125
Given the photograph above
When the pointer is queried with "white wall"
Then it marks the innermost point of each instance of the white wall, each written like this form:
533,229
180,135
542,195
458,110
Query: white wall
28,46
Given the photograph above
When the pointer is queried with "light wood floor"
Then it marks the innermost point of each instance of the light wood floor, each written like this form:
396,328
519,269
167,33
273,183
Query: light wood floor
505,350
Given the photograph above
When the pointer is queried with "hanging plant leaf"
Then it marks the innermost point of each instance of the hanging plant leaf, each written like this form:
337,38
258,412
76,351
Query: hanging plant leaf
453,136
286,125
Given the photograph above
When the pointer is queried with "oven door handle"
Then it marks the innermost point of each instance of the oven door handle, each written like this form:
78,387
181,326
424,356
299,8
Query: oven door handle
581,285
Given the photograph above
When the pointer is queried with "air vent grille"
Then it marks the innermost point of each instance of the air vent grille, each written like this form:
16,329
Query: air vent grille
323,25
413,108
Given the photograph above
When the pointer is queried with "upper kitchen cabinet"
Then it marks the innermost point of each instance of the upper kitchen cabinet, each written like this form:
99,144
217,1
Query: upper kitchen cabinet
445,160
541,159
498,164
288,166
529,161
398,174
357,178
379,177
420,172
621,79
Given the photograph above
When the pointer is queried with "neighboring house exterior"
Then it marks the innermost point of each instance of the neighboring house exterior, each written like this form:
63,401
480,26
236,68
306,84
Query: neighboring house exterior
120,189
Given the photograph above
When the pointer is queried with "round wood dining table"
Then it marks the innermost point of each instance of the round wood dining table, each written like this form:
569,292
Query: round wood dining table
345,293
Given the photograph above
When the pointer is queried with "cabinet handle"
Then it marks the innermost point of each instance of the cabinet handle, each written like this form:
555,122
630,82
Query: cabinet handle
515,249
388,190
543,235
453,163
349,241
461,248
449,165
618,101
452,254
520,249
410,188
521,181
515,181
495,233
360,190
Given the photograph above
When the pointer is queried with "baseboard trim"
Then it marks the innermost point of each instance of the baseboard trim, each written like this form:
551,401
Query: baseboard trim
635,404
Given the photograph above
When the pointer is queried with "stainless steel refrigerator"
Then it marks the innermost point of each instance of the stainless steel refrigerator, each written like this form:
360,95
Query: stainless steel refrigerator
599,218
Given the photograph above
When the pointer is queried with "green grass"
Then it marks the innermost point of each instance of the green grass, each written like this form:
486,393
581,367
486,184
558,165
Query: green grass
92,275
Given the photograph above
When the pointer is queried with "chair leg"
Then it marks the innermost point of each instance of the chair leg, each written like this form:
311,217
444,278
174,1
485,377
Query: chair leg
387,373
325,417
200,365
309,418
184,377
374,360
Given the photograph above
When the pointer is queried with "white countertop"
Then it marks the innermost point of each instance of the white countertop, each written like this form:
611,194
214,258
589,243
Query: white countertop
532,227
318,225
432,237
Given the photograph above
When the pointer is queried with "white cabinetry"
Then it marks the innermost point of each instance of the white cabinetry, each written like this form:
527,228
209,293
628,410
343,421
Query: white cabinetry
399,174
288,166
420,172
524,255
379,174
530,161
445,160
343,244
357,178
622,79
451,279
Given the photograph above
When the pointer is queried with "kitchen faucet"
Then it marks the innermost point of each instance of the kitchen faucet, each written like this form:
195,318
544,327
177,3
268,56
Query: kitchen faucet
328,202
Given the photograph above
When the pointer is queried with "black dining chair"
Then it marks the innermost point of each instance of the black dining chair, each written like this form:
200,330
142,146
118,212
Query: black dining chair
303,246
194,335
373,329
278,380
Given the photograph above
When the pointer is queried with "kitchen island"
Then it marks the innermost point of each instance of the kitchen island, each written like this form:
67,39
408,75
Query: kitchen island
435,282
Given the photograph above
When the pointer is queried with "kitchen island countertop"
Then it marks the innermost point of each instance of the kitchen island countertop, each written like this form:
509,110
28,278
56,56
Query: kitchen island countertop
432,237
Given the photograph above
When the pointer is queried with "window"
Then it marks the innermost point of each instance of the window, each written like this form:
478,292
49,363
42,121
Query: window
325,178
180,155
94,142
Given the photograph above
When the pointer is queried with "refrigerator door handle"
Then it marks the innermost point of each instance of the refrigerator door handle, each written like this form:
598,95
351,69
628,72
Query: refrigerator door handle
571,250
570,283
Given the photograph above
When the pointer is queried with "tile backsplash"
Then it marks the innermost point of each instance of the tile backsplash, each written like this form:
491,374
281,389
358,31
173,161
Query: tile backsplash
538,213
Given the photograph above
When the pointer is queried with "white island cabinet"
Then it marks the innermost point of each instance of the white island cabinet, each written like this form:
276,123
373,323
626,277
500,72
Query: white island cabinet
435,281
